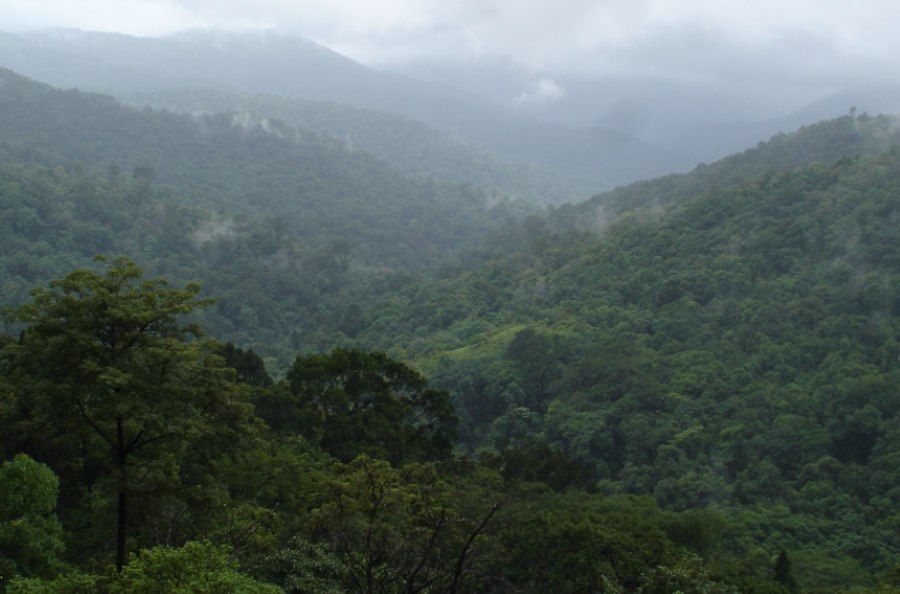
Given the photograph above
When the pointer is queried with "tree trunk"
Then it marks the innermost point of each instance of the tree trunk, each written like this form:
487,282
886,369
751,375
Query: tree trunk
122,503
121,529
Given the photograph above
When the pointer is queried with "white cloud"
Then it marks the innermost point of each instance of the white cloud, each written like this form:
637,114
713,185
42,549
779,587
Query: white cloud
547,36
543,90
135,17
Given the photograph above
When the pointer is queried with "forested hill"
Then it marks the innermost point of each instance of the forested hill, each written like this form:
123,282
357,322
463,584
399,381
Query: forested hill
409,146
317,189
824,142
739,350
291,66
286,227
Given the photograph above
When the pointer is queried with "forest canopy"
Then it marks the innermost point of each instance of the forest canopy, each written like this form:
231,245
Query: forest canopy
364,382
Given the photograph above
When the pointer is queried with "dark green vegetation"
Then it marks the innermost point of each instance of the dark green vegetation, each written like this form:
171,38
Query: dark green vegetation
149,446
701,398
737,351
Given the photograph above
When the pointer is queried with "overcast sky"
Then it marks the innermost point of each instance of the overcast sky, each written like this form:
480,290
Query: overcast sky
813,38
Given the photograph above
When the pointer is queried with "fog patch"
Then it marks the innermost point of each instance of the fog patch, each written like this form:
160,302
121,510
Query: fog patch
601,219
248,122
213,230
541,91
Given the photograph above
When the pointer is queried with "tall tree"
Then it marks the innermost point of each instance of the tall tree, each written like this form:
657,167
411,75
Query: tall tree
783,573
31,537
412,529
106,355
354,402
538,359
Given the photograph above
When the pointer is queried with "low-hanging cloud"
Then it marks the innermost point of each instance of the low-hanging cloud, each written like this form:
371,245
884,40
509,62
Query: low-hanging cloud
543,90
573,35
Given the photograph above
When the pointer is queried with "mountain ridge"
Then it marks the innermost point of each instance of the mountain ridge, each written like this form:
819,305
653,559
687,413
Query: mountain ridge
604,156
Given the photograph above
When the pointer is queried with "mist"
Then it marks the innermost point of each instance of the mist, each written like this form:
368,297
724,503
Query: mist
684,83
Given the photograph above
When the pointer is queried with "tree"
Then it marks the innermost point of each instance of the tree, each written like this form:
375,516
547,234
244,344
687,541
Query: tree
410,529
30,535
355,402
249,366
106,357
538,360
783,573
573,542
195,568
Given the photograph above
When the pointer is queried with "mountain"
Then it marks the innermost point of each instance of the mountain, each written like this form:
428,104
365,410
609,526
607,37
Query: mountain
289,66
601,131
320,190
702,119
287,226
410,147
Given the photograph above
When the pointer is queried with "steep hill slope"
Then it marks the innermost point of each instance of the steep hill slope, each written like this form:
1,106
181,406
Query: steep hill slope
825,141
318,190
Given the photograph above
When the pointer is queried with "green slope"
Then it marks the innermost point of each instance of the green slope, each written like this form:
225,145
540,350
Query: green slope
823,142
317,189
738,350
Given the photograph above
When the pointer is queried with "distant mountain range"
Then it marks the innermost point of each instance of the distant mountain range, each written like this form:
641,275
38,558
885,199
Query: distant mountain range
594,133
289,66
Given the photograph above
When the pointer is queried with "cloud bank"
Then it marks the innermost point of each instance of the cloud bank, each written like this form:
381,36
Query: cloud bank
683,37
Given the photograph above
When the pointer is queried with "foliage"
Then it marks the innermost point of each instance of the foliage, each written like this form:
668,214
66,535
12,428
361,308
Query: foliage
736,349
410,529
353,402
104,365
68,583
31,538
195,568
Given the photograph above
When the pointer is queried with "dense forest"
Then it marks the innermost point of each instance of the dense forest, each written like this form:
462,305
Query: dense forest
171,463
312,372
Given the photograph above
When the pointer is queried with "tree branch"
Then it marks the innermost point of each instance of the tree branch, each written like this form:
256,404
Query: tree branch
94,425
458,570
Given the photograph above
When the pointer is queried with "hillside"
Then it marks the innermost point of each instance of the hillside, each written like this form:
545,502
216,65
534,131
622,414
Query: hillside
288,228
410,147
321,192
824,142
737,350
290,66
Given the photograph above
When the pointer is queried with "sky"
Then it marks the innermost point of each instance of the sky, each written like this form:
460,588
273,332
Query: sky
701,38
